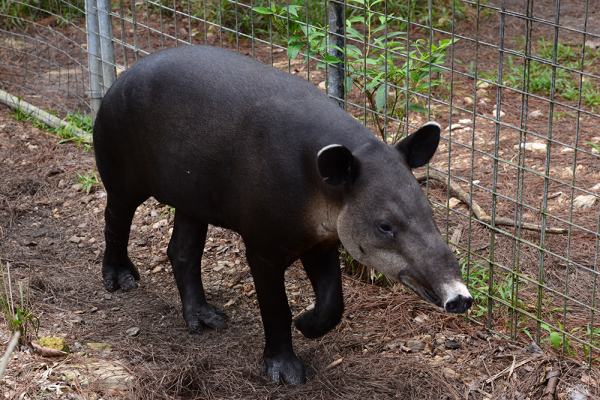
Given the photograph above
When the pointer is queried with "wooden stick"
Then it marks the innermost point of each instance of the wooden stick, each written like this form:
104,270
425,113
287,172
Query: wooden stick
507,369
477,210
16,103
9,350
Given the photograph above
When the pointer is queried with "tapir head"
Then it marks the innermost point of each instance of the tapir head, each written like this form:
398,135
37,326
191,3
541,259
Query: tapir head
385,221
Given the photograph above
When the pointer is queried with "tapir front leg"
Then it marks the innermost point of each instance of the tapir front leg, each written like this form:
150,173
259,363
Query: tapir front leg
185,252
322,266
280,363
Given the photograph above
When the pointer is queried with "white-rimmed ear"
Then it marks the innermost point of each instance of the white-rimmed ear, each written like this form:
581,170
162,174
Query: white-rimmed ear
418,148
336,164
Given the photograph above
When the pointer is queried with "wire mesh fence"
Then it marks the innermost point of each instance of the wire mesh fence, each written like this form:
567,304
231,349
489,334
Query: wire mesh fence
515,84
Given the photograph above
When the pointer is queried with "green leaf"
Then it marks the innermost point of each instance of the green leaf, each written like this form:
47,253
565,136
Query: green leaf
353,51
354,34
294,9
263,10
354,19
374,81
332,59
293,49
349,83
555,339
381,97
417,108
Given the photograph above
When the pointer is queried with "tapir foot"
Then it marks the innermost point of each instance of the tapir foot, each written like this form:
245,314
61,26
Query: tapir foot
284,368
312,325
209,316
121,277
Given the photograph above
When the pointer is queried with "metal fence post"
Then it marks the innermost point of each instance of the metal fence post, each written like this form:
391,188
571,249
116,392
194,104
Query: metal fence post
336,38
109,73
94,55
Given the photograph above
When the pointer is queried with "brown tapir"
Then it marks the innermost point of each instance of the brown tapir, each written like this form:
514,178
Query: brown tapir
232,142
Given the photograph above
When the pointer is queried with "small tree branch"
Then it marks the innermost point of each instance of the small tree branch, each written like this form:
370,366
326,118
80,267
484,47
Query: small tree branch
477,210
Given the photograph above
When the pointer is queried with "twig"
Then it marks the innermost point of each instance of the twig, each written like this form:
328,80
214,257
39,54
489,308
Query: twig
456,237
507,369
489,373
9,350
334,364
477,210
512,368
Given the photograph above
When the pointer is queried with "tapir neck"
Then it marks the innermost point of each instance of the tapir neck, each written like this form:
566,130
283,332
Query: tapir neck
325,221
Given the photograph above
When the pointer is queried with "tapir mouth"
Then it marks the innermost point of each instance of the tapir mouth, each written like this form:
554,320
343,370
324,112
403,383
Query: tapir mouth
423,292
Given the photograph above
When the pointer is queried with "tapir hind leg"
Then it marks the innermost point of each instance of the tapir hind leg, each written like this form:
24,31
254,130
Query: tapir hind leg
280,363
323,269
117,269
185,252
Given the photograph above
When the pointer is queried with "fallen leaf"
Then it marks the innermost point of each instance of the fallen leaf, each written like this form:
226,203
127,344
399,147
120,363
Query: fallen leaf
589,380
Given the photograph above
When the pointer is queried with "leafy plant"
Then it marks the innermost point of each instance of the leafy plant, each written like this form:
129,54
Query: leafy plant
67,134
556,340
540,74
17,12
18,317
595,146
88,181
391,72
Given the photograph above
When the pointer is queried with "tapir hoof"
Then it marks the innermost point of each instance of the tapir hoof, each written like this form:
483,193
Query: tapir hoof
284,369
209,316
124,278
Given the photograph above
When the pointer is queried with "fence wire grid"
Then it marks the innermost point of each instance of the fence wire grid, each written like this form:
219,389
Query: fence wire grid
515,85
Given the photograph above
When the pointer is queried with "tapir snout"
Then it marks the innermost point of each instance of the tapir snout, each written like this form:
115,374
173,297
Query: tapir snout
454,296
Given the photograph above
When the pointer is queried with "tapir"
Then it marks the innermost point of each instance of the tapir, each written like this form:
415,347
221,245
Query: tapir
233,142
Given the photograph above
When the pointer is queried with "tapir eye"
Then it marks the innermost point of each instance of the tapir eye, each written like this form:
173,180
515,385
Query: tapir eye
384,227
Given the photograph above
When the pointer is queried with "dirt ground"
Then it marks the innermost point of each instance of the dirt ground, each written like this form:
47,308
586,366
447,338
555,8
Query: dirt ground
390,344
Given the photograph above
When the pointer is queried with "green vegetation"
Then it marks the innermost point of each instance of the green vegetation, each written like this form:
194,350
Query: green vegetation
65,133
594,146
516,318
237,15
79,121
381,69
18,317
354,268
19,12
89,181
539,74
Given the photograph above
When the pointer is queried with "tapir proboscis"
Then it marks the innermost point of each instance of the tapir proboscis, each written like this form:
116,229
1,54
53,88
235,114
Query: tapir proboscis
232,142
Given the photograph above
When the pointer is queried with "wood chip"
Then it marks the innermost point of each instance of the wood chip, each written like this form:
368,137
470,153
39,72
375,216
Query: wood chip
334,363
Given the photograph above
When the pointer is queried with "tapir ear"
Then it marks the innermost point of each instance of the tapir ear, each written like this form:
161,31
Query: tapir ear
419,147
336,164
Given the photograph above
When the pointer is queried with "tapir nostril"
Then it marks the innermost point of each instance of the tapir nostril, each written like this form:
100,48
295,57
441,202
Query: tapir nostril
459,304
